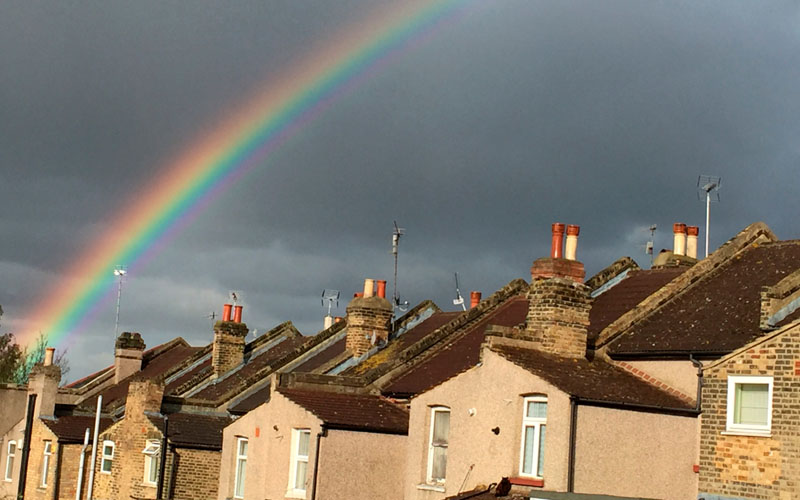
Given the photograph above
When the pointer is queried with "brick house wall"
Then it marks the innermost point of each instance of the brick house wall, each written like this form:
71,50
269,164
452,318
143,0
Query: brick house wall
196,476
753,467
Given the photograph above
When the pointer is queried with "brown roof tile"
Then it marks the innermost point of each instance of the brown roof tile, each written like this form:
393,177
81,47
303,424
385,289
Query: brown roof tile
71,428
593,380
622,297
241,376
717,314
194,430
323,356
251,402
459,354
351,411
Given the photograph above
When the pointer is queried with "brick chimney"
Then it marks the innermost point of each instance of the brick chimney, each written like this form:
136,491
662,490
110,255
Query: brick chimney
144,395
229,341
559,303
43,381
368,320
128,351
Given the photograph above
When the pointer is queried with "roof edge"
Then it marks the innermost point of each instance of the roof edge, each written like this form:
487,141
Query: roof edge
760,340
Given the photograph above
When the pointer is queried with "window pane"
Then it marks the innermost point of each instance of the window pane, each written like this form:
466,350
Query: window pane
751,404
441,427
300,476
240,475
540,464
527,454
106,465
536,409
302,443
154,464
242,447
439,469
108,451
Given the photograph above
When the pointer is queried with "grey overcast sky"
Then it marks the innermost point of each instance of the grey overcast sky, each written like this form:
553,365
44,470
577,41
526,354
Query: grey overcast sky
520,114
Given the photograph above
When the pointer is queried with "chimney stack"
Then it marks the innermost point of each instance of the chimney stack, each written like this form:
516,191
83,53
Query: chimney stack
229,342
368,320
691,241
559,302
144,395
572,242
474,299
43,381
679,238
128,352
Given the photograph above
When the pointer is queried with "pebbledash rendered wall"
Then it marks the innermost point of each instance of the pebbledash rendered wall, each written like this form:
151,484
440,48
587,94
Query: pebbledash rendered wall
353,465
484,444
754,467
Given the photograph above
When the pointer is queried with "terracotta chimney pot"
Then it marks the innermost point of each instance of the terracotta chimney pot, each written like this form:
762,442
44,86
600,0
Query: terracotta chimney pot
474,299
558,240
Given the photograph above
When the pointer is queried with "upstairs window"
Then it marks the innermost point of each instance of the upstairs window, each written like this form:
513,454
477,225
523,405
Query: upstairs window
11,453
534,425
107,458
152,461
241,467
437,444
48,452
301,439
749,405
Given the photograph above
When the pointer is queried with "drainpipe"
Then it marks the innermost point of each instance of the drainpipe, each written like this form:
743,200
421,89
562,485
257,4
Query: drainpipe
322,433
80,466
94,447
699,366
573,425
26,447
57,479
163,464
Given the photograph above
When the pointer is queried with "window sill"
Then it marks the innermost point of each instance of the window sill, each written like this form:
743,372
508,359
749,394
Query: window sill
296,494
527,481
431,487
746,432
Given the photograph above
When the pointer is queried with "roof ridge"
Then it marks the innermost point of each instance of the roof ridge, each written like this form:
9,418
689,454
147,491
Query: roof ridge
611,271
755,233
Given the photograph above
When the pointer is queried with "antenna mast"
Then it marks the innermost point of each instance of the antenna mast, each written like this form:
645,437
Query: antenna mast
459,300
396,234
708,184
120,272
332,296
650,244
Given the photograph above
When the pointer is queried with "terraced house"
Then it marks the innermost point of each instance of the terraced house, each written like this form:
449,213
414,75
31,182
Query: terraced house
669,382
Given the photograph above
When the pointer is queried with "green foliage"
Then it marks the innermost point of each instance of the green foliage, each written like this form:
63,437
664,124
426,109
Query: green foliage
10,358
34,355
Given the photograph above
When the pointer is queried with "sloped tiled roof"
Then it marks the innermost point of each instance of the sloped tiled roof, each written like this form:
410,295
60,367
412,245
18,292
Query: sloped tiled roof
717,314
619,299
351,411
194,430
458,354
71,428
593,380
323,356
156,363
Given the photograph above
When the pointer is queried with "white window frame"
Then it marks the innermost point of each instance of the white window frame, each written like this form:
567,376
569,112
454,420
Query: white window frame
429,474
107,457
152,452
298,458
748,429
10,456
46,454
536,423
241,463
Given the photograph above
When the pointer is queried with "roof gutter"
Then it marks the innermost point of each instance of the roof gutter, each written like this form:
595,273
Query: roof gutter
680,411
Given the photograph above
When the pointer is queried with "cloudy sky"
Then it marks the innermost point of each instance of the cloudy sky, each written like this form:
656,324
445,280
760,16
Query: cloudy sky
516,115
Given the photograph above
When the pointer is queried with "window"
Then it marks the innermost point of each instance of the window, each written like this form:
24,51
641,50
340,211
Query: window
437,444
48,452
241,466
107,458
11,452
152,461
749,405
534,425
299,466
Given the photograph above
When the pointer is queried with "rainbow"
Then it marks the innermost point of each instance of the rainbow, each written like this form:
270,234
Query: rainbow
214,163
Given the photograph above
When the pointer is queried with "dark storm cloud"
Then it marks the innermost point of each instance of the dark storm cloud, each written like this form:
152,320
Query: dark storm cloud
515,116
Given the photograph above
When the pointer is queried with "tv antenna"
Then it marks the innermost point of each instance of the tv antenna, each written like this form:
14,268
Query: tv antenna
120,272
332,296
235,297
212,316
709,184
396,234
459,300
648,248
